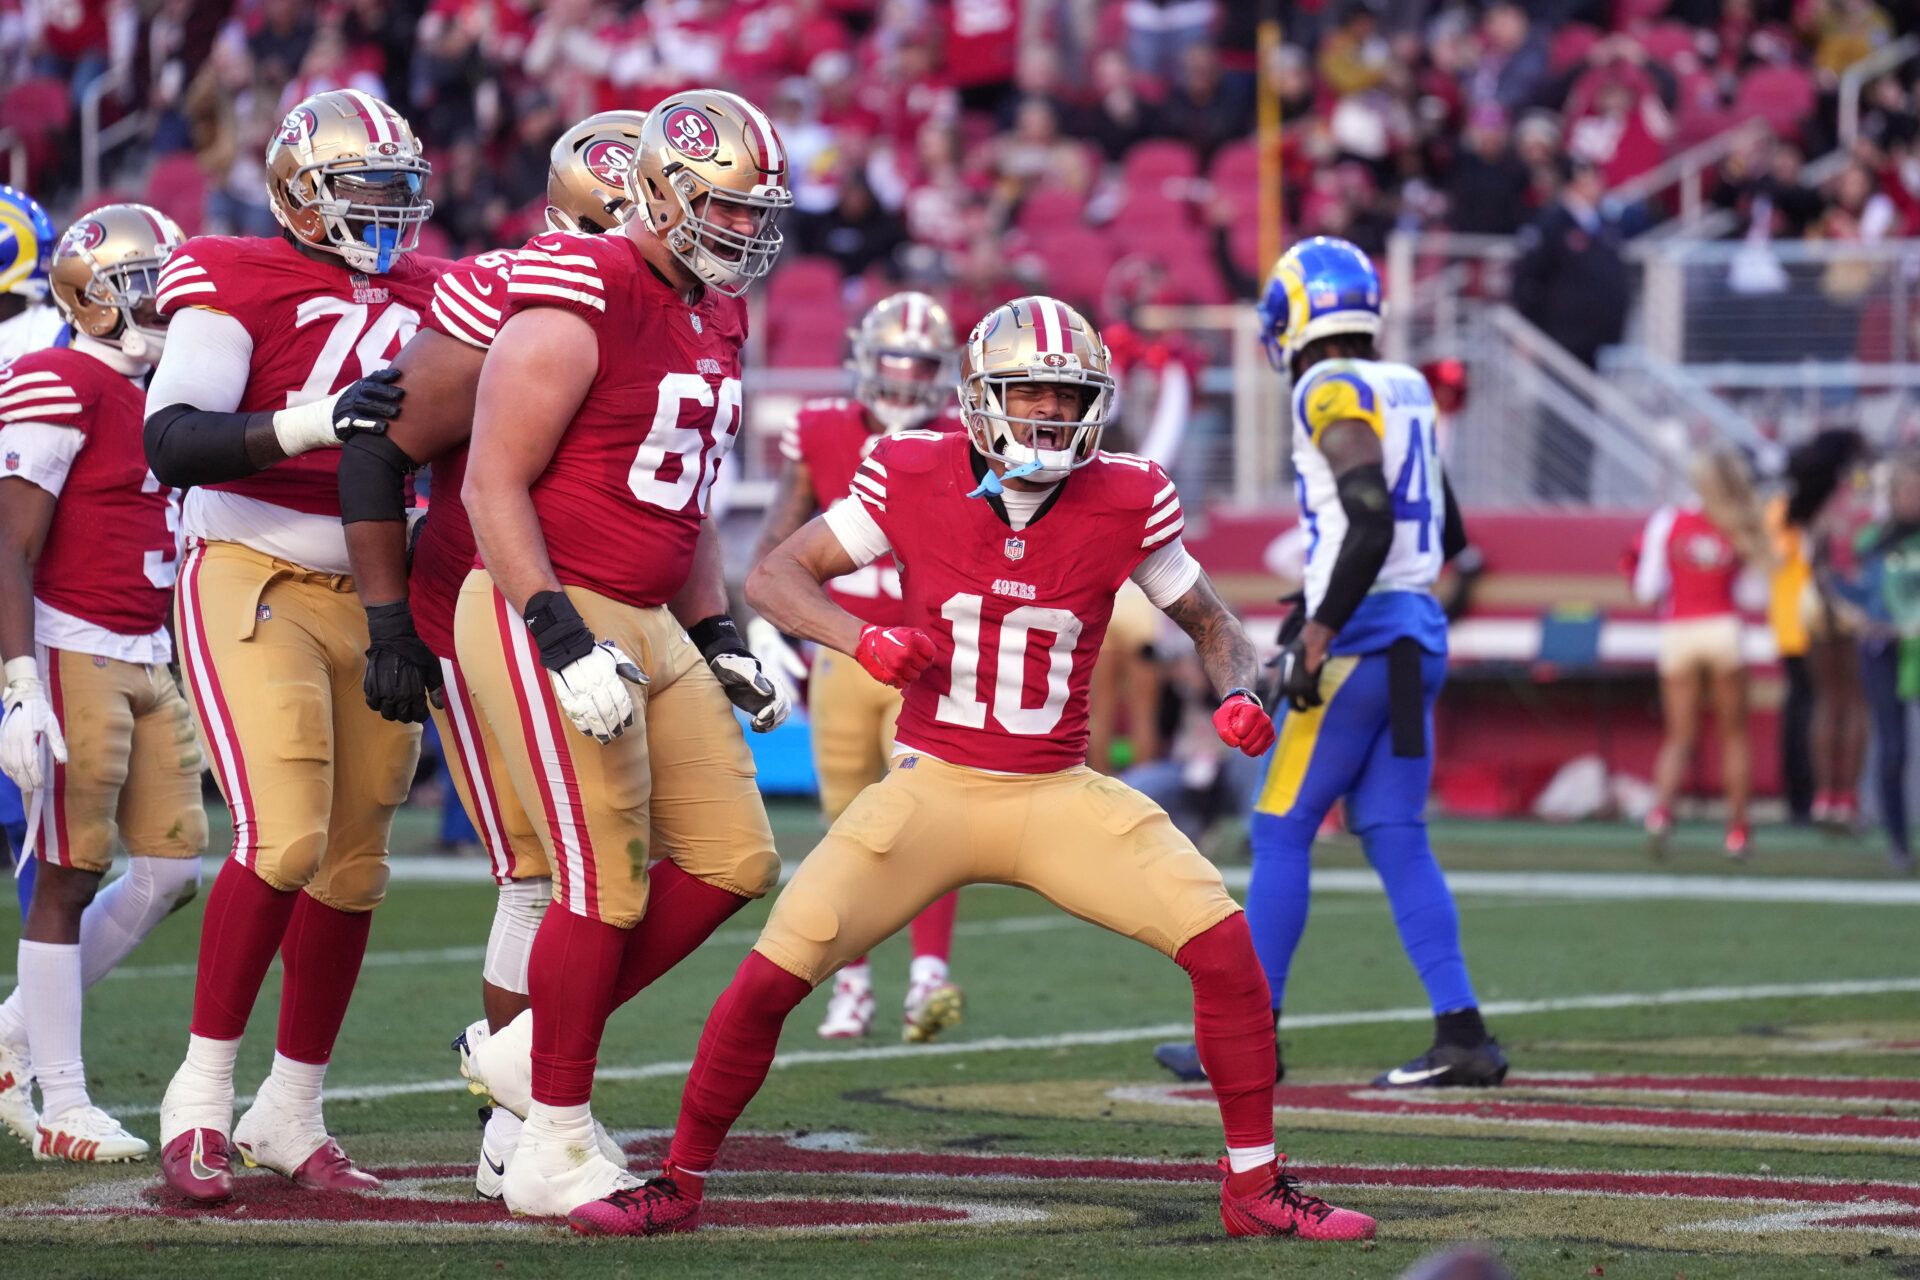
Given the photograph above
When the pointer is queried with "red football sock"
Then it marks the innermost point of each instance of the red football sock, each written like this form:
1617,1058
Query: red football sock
933,928
321,957
1233,1027
736,1049
682,912
246,918
570,978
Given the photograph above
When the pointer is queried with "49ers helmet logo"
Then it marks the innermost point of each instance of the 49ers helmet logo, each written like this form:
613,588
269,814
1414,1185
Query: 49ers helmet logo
84,237
609,161
298,126
691,134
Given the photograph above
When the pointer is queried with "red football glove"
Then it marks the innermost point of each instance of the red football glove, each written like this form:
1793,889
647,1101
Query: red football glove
1243,723
894,655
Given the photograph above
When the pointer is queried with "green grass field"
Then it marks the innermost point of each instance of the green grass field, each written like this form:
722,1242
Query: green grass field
1750,1105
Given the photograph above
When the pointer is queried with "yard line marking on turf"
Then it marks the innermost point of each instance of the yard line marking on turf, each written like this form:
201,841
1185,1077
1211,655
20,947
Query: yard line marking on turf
1171,1030
1632,886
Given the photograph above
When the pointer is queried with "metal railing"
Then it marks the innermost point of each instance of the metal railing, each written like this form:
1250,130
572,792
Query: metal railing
97,140
1686,172
16,149
1854,80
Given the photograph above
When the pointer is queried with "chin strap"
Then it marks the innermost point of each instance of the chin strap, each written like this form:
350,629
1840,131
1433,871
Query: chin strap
990,486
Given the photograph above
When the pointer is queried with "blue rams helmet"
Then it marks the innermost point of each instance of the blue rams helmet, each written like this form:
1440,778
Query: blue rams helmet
26,244
1319,287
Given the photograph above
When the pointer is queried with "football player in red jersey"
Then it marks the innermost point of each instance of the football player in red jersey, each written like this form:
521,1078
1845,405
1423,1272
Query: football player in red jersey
605,407
87,563
268,339
1014,538
440,369
904,351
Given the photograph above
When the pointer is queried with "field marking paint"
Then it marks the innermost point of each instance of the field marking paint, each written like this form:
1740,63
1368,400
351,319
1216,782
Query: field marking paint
1174,1030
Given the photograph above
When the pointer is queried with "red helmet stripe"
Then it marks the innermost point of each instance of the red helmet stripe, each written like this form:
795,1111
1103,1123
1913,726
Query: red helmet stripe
160,236
1042,339
373,113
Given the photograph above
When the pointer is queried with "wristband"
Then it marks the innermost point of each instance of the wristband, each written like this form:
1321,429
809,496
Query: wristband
22,668
558,629
717,635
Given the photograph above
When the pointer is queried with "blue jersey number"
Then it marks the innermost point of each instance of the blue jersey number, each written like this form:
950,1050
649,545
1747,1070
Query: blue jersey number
1413,474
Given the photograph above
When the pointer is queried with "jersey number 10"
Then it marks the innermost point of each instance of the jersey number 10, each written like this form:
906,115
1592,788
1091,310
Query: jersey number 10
961,704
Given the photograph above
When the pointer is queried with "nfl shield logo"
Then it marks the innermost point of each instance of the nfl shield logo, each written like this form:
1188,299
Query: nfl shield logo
13,462
1016,548
694,319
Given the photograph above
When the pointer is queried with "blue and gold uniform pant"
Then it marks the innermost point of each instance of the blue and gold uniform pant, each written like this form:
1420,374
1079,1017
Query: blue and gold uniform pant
1344,749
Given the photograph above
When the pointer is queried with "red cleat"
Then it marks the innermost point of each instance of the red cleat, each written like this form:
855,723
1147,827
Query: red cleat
1739,842
658,1206
328,1169
199,1165
1269,1202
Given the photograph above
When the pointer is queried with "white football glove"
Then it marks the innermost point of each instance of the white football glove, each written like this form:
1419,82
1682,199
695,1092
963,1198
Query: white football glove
593,691
780,660
29,731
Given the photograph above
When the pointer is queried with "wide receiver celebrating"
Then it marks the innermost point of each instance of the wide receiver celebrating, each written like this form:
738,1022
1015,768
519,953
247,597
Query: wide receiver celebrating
267,337
440,371
95,730
606,405
1007,601
903,355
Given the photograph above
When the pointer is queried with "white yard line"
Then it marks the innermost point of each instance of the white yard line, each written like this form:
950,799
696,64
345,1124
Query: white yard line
1179,1030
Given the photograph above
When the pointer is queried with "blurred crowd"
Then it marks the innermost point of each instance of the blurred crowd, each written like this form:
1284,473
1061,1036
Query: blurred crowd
1101,149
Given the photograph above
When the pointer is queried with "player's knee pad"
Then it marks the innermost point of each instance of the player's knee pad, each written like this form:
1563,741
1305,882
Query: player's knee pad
516,919
752,875
351,884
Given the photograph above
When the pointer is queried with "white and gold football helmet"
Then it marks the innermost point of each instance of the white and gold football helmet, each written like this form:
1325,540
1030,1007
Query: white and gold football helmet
903,360
106,272
1034,339
706,147
587,173
345,175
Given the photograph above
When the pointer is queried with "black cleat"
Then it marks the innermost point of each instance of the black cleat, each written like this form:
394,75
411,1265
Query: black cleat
1450,1066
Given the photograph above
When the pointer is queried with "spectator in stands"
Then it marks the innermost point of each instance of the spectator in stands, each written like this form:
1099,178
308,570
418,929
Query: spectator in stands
327,66
1201,109
1780,198
1512,65
1788,589
1117,117
1692,558
1488,184
1160,34
232,109
1845,31
1037,77
1570,279
1354,57
857,233
1037,156
468,204
279,43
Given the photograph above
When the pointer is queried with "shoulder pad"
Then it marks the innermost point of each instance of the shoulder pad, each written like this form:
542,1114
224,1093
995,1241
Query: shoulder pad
1131,482
206,271
913,452
48,386
1339,391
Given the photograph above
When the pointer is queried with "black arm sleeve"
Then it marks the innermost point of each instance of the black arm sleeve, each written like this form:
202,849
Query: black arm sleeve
1453,533
373,478
1363,496
188,446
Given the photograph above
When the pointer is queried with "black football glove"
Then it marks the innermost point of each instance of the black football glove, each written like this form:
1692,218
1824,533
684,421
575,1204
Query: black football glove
402,673
738,671
1298,685
369,404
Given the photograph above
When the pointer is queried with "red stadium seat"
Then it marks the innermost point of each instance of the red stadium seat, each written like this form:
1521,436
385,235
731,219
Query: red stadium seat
1668,42
178,188
1628,14
805,278
1047,210
104,198
1153,165
806,319
37,106
1782,96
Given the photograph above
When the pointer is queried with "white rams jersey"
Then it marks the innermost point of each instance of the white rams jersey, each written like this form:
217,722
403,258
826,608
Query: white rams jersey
1395,400
35,329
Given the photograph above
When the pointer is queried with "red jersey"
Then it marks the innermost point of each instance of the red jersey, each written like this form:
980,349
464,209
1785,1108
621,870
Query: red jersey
1688,564
622,498
467,299
1016,618
982,41
316,328
109,558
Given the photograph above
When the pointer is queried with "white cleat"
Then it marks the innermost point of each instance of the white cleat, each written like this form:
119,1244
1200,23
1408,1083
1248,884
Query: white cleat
849,1010
287,1140
551,1179
498,1065
499,1135
86,1135
932,1007
16,1093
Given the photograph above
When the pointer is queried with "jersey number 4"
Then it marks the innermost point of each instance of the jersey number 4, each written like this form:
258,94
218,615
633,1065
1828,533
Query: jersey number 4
961,705
1413,487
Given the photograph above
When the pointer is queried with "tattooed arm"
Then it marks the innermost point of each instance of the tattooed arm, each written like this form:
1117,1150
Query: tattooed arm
1217,636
